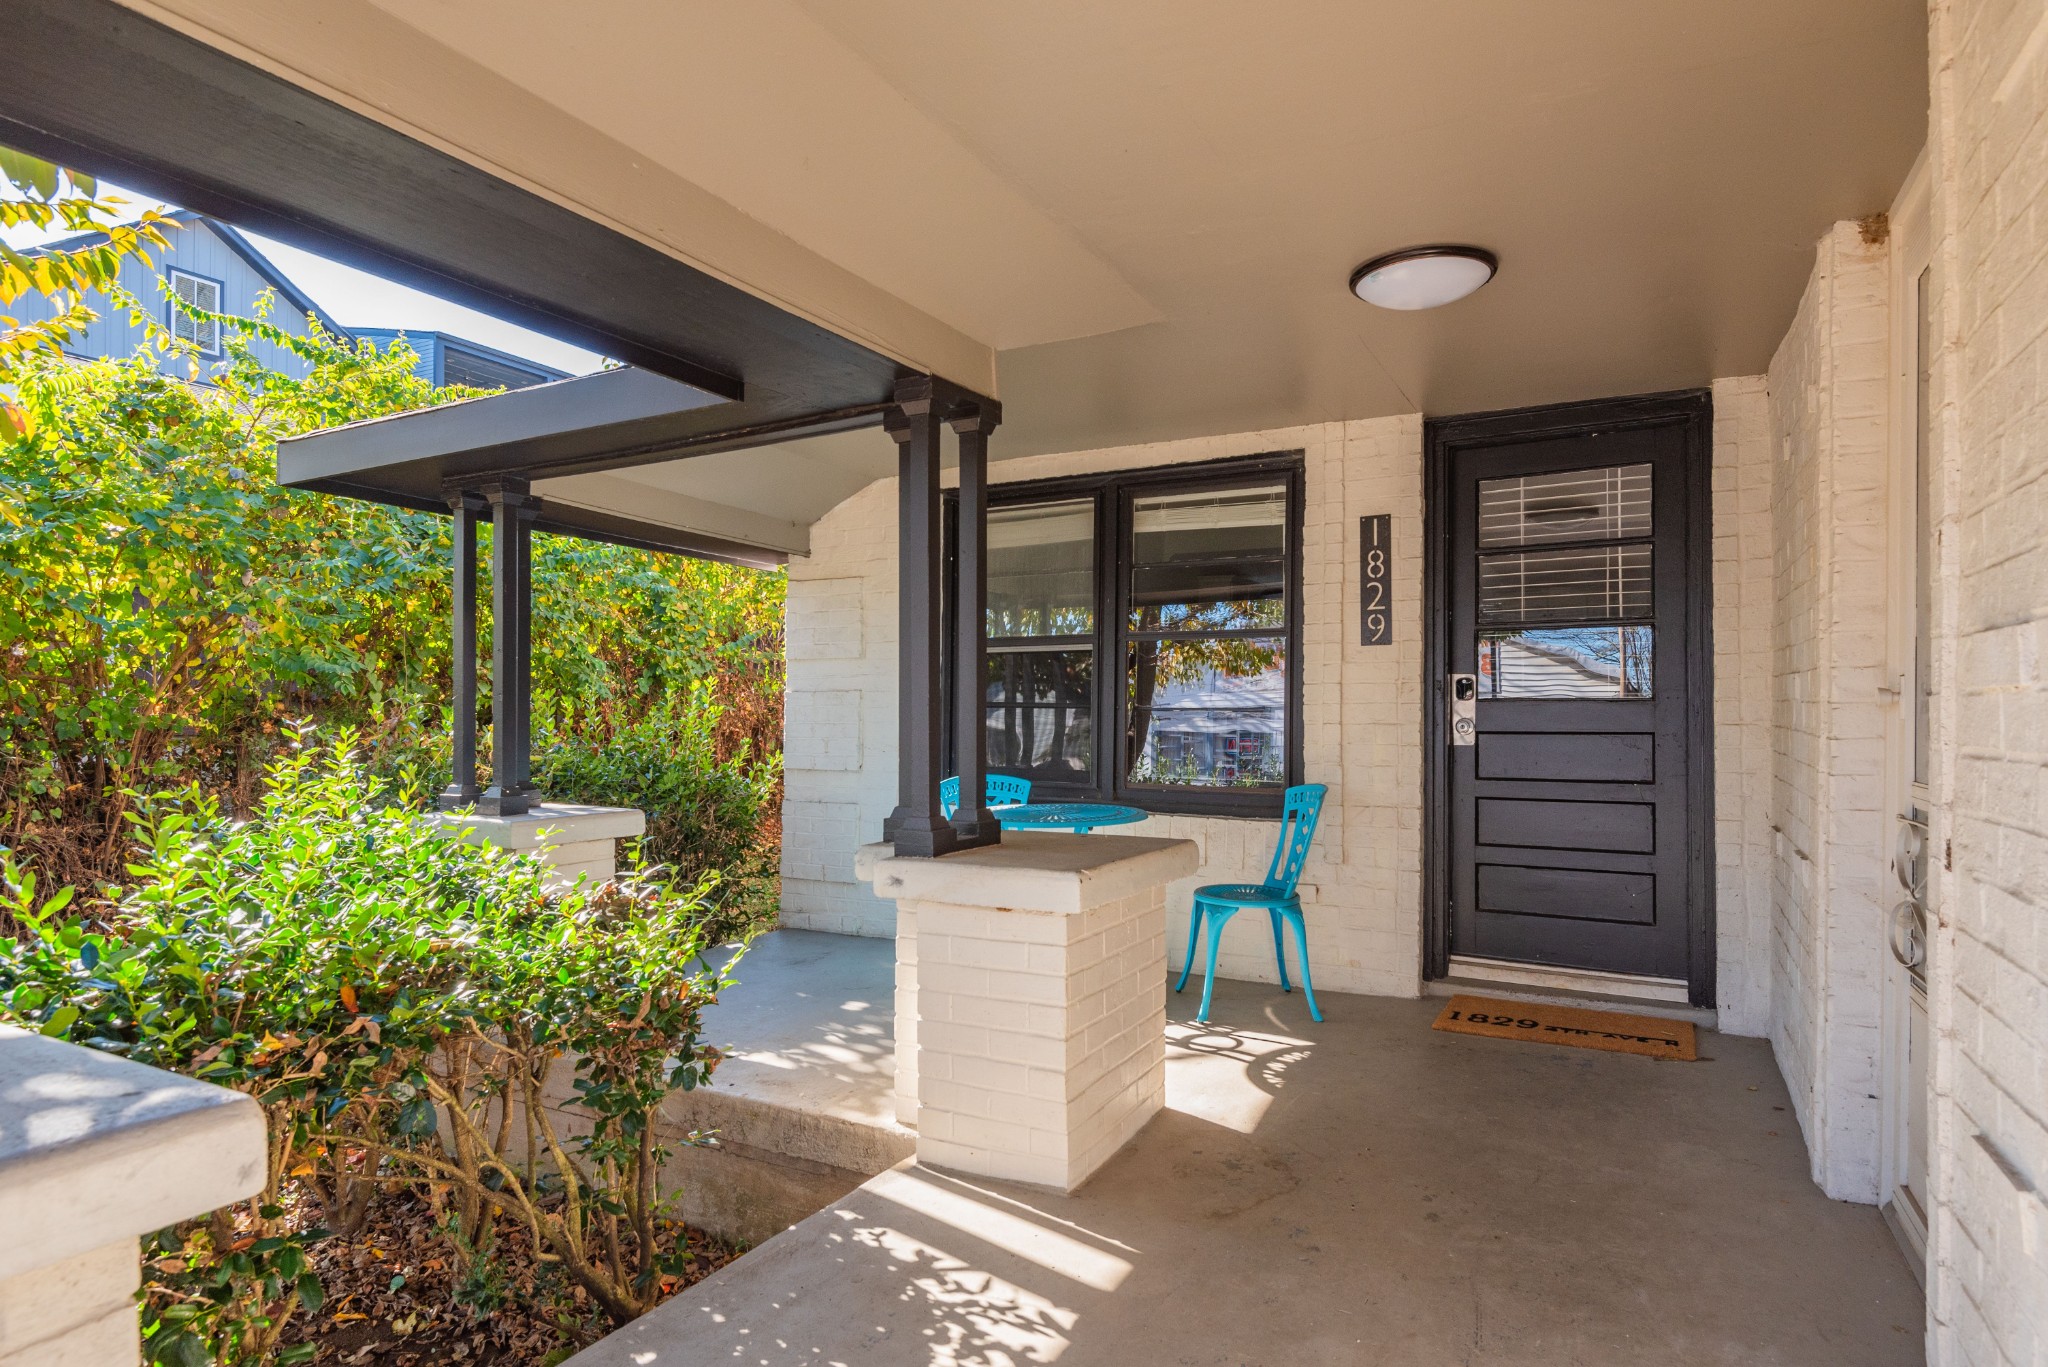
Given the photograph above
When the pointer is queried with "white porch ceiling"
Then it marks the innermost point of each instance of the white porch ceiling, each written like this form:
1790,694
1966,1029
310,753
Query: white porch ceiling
1149,209
767,496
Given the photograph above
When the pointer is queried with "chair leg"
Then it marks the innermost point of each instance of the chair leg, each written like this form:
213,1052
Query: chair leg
1194,935
1280,953
1308,986
1215,938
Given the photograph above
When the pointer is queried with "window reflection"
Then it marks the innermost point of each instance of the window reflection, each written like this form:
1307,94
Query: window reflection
1041,721
1208,713
1211,561
1205,677
1041,570
1567,662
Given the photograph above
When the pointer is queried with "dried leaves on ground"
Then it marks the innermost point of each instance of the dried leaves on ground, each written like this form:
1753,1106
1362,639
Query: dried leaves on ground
395,1297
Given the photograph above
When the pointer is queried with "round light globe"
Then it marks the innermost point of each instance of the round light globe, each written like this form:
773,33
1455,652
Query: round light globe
1423,277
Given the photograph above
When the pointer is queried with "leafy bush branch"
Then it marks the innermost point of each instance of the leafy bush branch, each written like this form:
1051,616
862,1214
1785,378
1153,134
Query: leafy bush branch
406,1009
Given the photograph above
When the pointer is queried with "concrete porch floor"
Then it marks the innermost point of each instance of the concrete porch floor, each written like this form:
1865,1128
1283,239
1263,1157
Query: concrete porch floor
1366,1190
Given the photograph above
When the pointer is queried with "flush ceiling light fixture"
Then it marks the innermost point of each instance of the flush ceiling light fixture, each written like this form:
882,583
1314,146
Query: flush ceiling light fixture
1423,277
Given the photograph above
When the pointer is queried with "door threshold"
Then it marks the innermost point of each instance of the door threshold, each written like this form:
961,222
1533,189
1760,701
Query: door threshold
1634,986
1909,1228
1459,985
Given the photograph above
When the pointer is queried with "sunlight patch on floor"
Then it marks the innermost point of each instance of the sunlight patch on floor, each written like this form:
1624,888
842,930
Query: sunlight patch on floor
1225,1076
985,1220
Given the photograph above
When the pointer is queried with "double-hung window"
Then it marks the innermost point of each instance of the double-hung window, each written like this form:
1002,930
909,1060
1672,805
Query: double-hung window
1143,635
1041,641
196,291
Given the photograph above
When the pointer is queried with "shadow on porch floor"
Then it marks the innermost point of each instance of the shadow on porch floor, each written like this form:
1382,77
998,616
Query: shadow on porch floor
1362,1191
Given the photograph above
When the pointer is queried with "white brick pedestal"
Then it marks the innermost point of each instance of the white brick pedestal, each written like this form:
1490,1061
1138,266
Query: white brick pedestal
571,838
1032,990
95,1152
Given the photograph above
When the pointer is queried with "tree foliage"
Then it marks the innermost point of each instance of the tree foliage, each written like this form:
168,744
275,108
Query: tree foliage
166,609
41,195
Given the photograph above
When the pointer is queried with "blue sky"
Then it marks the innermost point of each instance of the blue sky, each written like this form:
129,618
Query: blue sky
358,299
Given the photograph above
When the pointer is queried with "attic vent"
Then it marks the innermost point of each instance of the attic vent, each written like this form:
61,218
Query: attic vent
202,294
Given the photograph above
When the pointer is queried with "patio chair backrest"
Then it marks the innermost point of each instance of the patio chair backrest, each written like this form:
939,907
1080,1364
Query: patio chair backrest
1298,815
1004,790
997,790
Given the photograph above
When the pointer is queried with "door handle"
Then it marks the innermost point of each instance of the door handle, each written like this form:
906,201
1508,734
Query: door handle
1908,934
1461,695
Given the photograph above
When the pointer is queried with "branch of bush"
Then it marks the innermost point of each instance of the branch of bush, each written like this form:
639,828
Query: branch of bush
397,1002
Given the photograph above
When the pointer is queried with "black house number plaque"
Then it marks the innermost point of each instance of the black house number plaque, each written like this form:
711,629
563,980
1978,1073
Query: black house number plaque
1375,580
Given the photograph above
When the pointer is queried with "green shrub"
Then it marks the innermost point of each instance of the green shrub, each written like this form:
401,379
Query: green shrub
396,1001
710,820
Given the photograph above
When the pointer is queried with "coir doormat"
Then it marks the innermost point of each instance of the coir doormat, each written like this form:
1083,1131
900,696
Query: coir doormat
1570,1025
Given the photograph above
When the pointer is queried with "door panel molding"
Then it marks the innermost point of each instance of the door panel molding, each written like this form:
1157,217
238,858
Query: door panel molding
1540,431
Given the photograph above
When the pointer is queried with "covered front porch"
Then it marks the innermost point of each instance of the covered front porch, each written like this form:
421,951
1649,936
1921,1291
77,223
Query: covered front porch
1366,1189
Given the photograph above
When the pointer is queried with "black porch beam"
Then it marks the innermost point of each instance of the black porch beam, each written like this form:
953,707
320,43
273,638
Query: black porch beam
95,85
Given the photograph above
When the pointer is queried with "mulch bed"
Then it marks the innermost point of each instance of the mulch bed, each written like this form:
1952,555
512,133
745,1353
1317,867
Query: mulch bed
395,1298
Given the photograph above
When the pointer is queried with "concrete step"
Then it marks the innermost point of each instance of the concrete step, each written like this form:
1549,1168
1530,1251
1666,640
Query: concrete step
802,1108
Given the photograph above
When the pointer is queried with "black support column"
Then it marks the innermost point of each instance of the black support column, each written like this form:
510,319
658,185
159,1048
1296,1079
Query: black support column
923,408
513,510
462,790
917,827
972,823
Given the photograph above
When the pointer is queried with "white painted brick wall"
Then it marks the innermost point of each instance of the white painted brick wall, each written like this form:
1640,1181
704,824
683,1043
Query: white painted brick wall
1829,410
1041,1038
1743,598
1361,713
821,729
842,643
826,622
1988,964
1361,705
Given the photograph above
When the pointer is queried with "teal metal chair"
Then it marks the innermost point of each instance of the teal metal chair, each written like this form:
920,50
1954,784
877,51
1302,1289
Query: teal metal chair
1218,902
998,790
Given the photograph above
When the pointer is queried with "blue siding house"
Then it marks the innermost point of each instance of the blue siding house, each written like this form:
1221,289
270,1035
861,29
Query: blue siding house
446,359
210,264
215,267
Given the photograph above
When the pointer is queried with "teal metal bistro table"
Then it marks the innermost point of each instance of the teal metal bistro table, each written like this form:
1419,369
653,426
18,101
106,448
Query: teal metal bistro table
1078,817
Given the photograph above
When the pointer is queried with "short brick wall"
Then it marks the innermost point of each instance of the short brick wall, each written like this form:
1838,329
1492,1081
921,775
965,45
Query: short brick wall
1041,1039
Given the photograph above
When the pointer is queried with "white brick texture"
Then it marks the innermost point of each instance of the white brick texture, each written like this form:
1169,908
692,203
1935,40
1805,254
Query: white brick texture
839,758
1988,963
1361,705
1361,713
1829,410
1041,1046
1743,458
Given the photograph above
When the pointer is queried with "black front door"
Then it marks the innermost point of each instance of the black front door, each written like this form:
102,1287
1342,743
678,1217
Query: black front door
1571,638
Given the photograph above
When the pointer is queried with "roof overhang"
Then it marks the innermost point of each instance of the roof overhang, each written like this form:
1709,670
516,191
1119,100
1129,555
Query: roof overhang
580,441
750,340
748,316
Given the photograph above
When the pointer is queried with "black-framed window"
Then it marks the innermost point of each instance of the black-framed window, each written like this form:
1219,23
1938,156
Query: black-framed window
200,292
1144,633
